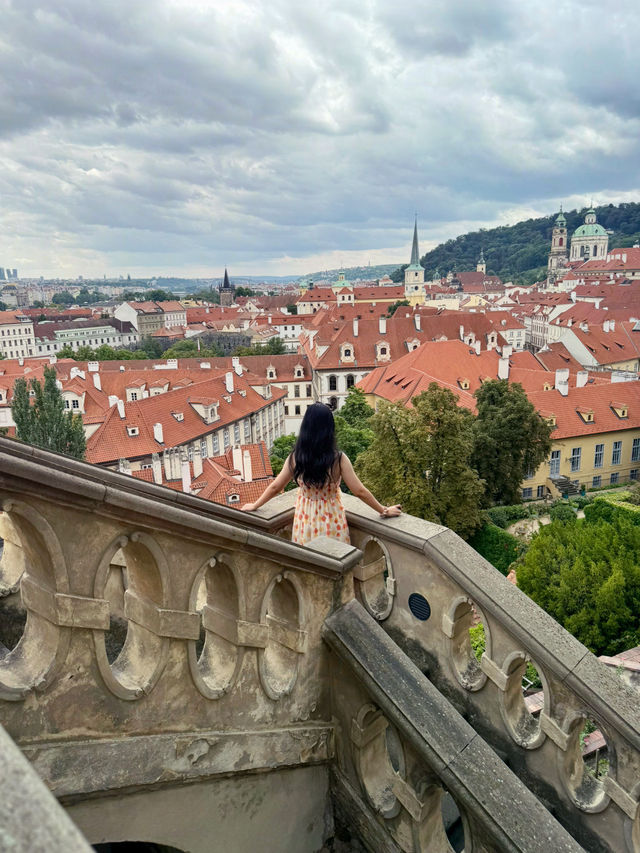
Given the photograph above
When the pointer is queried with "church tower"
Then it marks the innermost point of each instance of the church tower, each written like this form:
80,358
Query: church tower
481,266
227,291
414,273
558,256
589,241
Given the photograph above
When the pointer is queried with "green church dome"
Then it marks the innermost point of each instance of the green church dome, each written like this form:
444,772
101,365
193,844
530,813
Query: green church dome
592,230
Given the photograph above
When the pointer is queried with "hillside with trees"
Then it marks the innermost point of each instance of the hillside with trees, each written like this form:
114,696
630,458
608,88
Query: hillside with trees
519,252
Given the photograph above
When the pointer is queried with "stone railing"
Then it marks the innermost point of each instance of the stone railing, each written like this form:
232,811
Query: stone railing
162,643
427,588
411,773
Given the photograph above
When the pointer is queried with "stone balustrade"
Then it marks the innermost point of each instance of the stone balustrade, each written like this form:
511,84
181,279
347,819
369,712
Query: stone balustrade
426,588
169,641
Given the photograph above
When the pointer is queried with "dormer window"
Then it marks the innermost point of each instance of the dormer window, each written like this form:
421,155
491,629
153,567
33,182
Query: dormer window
620,409
551,420
586,415
271,373
463,383
299,372
547,387
233,499
179,416
133,430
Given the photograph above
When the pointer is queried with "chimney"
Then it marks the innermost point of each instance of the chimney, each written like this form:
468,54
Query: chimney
562,380
228,381
53,359
112,400
355,327
97,381
503,367
237,458
237,367
582,377
612,325
247,468
382,325
605,326
477,347
269,318
417,321
507,349
176,471
166,462
461,333
197,463
157,433
93,366
185,470
157,468
120,406
21,361
124,467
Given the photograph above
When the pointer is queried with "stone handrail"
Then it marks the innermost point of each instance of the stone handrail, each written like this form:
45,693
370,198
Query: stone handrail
164,639
454,587
407,749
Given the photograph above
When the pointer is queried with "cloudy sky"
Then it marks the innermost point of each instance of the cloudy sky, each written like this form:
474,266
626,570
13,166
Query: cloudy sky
284,136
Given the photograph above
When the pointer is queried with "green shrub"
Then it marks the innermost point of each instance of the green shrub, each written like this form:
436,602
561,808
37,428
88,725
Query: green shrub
498,515
580,502
497,546
478,640
562,512
609,509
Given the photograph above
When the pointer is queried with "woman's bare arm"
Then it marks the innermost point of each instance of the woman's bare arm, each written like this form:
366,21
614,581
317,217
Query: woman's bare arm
357,488
273,489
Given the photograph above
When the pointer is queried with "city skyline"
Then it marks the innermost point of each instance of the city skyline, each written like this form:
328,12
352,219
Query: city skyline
179,138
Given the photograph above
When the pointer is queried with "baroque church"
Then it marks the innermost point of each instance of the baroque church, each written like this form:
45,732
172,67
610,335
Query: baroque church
590,241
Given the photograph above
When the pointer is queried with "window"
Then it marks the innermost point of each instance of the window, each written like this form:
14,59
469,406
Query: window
635,450
614,478
215,441
286,410
333,383
351,380
66,404
75,404
203,448
247,430
297,410
308,390
598,458
347,353
134,395
633,473
333,403
226,437
234,499
541,491
383,350
296,390
617,453
527,494
236,433
596,482
575,458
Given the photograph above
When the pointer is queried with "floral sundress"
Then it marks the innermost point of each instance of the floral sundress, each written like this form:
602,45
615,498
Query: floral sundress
319,512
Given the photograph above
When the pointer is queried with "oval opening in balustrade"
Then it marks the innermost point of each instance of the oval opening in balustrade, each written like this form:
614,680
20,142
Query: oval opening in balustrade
374,579
282,615
586,763
469,637
29,634
379,757
522,700
452,822
130,577
215,658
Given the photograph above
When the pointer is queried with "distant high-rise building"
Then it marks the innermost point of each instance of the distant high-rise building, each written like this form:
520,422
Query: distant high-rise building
2,276
15,273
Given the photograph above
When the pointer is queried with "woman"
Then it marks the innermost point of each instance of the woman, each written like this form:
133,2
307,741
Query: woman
317,467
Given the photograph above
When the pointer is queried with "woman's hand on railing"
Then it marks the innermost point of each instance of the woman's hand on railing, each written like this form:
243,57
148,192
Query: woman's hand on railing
390,511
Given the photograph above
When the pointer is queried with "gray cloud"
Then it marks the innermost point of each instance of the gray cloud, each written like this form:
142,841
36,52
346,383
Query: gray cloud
179,136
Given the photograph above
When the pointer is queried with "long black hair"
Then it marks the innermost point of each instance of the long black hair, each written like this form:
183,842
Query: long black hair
315,451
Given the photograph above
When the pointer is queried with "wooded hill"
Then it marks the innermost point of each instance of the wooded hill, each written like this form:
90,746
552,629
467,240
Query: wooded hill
519,252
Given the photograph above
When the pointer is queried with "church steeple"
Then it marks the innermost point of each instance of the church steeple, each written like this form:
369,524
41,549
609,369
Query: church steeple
415,254
414,273
481,266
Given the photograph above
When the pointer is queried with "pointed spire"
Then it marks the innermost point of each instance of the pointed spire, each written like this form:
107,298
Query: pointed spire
415,254
225,283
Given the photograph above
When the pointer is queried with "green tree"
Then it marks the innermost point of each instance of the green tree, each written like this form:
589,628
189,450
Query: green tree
393,308
292,308
355,409
63,298
3,306
244,291
84,354
587,576
282,447
353,432
510,439
150,348
420,458
160,295
45,422
66,352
